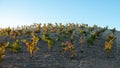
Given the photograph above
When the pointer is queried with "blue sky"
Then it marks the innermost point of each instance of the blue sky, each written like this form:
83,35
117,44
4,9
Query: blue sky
26,12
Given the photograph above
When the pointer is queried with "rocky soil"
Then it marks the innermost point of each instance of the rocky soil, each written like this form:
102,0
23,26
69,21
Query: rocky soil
92,57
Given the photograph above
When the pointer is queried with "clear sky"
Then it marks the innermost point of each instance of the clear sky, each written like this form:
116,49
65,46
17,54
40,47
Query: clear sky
22,12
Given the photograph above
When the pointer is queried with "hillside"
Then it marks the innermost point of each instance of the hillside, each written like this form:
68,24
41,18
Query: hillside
59,46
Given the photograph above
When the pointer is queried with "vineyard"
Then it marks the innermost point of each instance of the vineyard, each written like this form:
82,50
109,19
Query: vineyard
59,46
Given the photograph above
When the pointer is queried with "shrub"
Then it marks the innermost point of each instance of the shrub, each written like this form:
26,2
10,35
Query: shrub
16,47
3,47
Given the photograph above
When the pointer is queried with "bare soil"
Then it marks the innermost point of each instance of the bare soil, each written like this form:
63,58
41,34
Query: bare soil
92,57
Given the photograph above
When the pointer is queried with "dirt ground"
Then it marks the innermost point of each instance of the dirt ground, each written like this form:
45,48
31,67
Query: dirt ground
92,57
